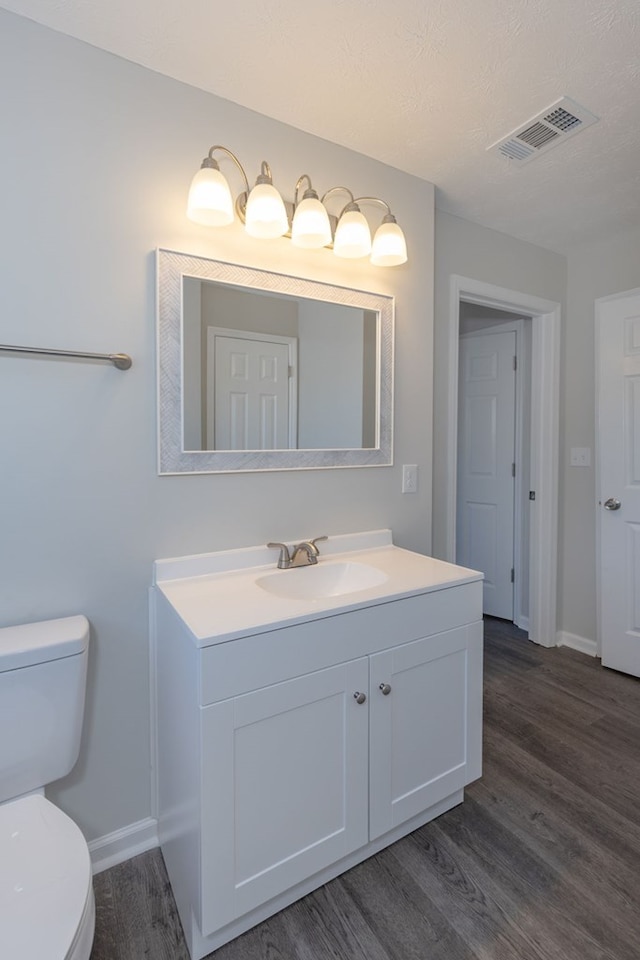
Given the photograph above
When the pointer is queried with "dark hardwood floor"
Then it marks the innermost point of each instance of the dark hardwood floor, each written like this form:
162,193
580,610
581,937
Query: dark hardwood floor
541,861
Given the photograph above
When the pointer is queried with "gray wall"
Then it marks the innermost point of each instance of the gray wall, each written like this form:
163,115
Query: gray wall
244,310
474,317
475,252
595,270
97,155
331,369
590,271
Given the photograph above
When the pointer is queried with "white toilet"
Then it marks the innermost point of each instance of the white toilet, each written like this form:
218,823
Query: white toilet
47,907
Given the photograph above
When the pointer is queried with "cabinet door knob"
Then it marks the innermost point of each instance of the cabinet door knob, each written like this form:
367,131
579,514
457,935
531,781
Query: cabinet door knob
385,688
359,697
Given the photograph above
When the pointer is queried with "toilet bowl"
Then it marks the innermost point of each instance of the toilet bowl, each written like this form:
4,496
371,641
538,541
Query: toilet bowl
46,896
47,907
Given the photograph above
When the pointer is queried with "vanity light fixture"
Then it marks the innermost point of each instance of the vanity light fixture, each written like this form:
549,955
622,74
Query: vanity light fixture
307,221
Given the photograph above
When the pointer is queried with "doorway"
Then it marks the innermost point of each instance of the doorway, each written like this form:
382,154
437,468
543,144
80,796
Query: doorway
494,438
542,496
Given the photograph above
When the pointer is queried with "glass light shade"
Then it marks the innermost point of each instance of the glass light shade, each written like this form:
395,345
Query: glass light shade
353,237
266,217
389,246
210,200
310,227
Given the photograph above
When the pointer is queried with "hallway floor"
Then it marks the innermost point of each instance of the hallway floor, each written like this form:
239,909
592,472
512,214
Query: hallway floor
541,861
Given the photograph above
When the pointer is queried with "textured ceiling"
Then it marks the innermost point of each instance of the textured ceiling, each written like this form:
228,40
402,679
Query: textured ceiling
423,85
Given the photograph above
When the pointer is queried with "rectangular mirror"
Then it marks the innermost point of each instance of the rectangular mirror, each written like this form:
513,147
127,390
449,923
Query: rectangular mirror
262,371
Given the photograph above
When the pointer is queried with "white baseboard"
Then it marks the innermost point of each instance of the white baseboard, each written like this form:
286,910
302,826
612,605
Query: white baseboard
583,644
522,623
122,844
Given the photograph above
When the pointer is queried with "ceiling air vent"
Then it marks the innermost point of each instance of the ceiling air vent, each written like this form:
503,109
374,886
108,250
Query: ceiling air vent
563,119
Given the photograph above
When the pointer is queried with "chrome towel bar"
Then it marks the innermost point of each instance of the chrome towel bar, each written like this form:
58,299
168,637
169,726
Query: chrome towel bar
120,360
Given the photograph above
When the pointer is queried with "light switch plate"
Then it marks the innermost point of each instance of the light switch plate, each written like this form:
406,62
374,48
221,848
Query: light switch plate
580,456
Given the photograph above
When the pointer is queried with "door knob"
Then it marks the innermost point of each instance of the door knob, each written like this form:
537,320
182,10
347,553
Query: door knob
359,697
385,688
612,504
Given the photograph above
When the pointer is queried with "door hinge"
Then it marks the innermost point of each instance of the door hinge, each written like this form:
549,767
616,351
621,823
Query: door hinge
513,469
289,372
532,494
515,363
513,575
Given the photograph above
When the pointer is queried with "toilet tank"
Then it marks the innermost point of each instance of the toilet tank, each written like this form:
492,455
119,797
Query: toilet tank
43,670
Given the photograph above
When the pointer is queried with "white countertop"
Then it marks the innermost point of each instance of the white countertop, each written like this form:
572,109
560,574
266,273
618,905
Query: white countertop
218,598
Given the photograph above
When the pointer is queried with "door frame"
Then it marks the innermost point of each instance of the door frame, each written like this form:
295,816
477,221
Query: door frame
599,303
545,433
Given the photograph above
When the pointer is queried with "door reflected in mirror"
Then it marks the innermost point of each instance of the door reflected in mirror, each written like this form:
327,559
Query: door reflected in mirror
265,371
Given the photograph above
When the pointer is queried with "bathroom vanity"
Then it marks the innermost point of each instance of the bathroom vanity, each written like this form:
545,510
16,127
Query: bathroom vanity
304,724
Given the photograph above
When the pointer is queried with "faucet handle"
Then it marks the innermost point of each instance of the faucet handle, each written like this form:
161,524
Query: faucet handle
317,540
284,559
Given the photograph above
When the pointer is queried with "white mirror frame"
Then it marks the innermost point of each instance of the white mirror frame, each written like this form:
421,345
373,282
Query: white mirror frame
172,458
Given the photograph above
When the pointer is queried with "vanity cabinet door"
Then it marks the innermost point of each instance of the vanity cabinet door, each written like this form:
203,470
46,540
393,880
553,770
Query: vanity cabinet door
426,716
284,787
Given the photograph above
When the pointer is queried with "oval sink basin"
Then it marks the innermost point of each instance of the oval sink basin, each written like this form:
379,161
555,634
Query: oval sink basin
321,580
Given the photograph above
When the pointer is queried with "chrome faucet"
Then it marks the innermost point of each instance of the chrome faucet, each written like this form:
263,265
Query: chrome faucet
302,554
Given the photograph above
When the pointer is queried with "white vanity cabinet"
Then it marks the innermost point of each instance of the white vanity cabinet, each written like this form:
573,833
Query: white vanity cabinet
287,756
285,787
425,725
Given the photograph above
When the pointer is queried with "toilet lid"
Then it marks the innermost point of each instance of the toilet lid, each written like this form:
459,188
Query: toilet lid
45,876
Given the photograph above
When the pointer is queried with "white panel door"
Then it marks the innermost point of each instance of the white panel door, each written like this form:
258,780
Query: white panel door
486,458
618,344
284,789
251,394
426,724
